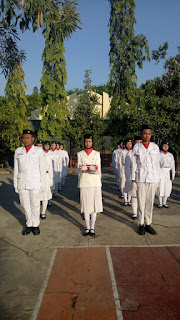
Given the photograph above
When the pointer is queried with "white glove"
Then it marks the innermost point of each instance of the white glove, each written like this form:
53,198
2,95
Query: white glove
84,168
92,168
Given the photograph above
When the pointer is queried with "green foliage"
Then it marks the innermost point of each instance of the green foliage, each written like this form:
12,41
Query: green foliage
10,55
60,23
102,88
34,100
160,53
87,119
13,117
76,90
126,50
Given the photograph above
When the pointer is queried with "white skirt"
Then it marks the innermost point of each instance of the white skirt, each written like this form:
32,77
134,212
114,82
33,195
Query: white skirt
46,194
91,200
165,184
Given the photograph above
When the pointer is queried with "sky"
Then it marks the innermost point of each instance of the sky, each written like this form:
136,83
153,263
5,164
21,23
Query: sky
88,47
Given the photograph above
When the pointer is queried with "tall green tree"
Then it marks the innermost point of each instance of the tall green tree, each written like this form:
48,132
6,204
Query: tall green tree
59,26
87,118
13,110
127,51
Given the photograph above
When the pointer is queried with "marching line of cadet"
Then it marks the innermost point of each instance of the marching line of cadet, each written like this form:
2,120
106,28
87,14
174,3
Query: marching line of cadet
38,174
141,172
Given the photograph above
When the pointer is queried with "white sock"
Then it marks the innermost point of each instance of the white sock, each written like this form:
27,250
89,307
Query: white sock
134,206
44,206
160,200
129,198
125,197
86,216
164,200
93,220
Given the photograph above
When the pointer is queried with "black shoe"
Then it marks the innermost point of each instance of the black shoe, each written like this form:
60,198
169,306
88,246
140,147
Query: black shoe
125,204
129,203
86,233
159,206
134,217
42,216
36,231
165,206
141,231
150,230
92,233
27,231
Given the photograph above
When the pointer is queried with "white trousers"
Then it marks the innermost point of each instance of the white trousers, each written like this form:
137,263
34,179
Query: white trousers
30,201
145,198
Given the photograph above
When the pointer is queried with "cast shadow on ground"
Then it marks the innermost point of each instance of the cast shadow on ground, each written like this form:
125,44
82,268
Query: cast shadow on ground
10,206
58,211
71,191
119,218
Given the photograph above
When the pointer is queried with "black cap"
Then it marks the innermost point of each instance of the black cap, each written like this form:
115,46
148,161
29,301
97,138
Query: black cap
27,131
46,142
53,142
88,136
164,142
39,141
128,140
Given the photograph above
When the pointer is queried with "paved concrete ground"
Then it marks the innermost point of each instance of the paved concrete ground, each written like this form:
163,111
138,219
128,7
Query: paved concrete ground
25,260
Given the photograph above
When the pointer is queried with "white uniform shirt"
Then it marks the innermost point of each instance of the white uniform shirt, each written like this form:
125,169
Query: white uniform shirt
65,162
55,160
118,160
29,169
49,169
128,166
88,179
145,163
167,161
121,160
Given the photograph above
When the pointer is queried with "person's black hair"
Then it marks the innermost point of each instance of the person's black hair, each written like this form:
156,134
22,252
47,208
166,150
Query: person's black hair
137,138
88,136
145,127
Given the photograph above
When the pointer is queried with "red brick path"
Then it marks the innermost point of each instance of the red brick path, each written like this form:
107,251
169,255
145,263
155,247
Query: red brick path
147,278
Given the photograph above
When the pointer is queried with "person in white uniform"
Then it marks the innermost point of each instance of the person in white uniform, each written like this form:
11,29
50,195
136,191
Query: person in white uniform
146,174
121,168
115,163
118,160
65,164
126,162
29,180
89,182
60,160
39,143
46,194
134,204
167,166
55,163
